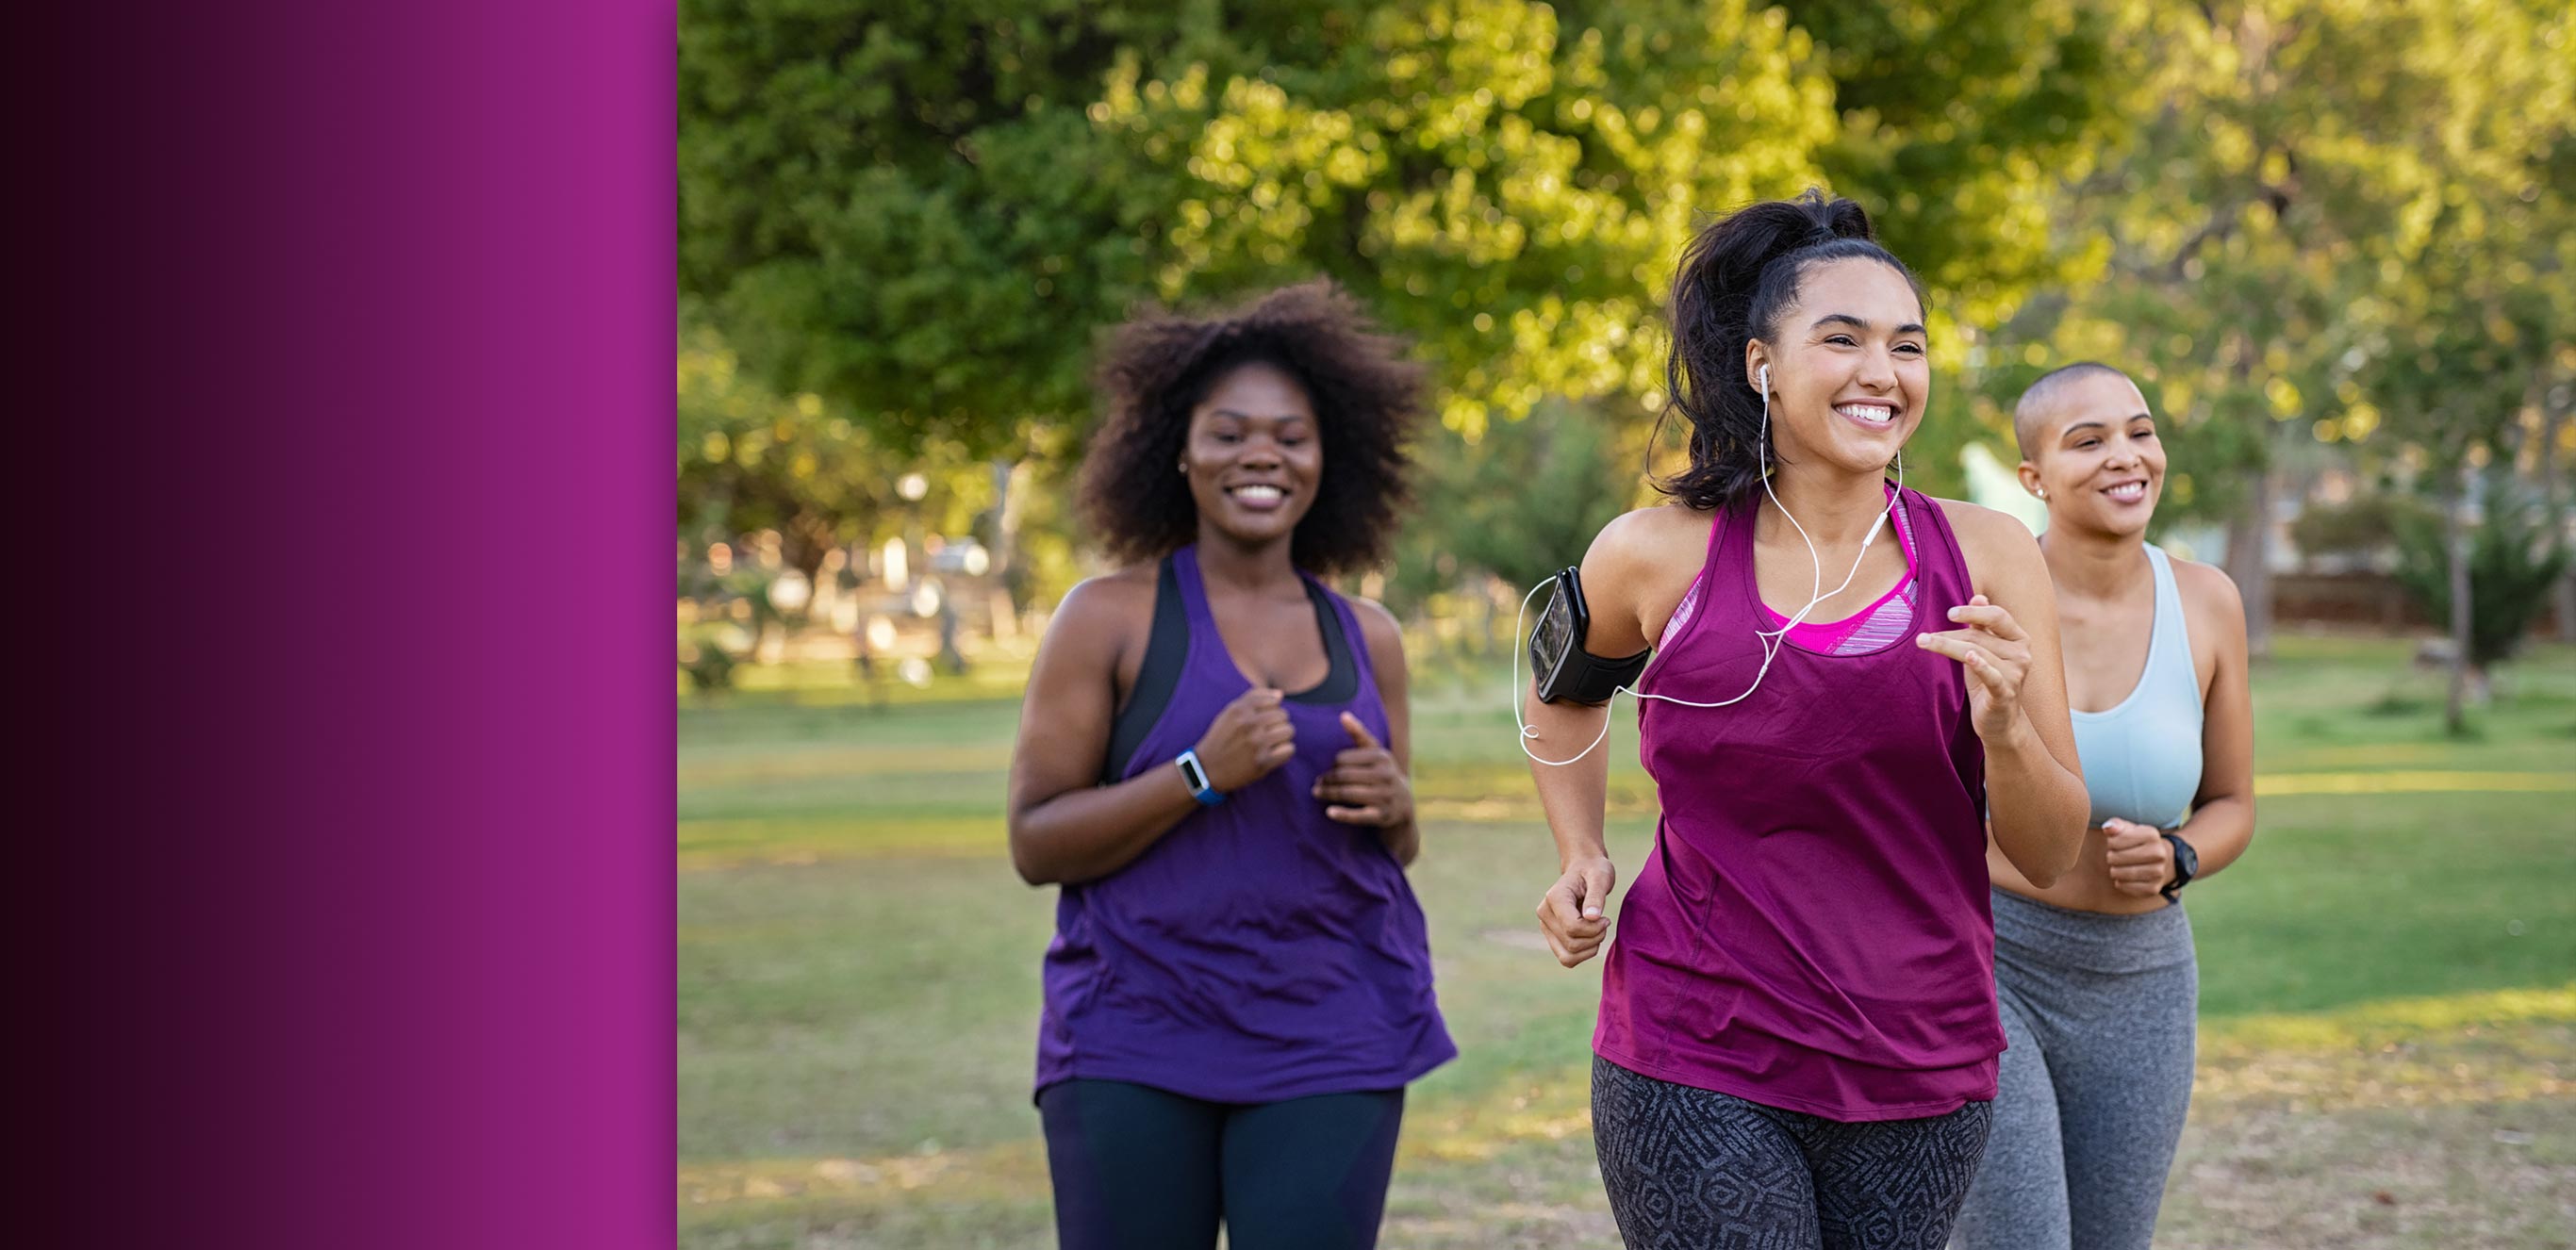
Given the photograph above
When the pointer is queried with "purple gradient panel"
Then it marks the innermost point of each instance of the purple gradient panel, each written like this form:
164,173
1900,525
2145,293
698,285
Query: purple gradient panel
348,896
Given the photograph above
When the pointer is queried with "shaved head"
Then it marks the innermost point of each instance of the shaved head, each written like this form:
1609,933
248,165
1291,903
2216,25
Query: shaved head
2042,405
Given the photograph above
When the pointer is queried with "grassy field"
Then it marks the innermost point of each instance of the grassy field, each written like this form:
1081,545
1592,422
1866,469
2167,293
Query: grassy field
2388,1050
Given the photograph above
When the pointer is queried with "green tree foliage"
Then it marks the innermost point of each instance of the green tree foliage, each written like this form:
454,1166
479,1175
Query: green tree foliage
2300,223
1518,501
1959,122
919,212
2334,226
1505,182
753,460
904,209
922,212
2513,562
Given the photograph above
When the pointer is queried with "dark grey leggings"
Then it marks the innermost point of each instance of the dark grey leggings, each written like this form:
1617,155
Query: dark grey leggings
2098,1011
1694,1169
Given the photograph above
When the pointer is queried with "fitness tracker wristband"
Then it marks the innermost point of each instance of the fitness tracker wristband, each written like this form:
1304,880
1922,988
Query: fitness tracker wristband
2186,865
1195,774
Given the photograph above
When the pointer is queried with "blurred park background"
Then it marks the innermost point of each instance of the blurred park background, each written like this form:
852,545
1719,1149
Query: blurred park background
2335,241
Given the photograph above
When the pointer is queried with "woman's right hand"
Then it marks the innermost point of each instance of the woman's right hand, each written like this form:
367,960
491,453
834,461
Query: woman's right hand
1573,911
1249,739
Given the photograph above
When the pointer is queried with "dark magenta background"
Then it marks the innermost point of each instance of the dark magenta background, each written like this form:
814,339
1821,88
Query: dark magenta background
341,416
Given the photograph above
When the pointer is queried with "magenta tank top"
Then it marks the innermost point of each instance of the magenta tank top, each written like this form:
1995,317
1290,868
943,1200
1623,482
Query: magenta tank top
1811,931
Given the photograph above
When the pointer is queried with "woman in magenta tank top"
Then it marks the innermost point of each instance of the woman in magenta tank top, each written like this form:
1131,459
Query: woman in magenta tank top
1798,1033
1211,764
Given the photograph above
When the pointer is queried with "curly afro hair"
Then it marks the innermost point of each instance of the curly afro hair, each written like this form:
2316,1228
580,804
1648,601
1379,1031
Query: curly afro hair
1155,369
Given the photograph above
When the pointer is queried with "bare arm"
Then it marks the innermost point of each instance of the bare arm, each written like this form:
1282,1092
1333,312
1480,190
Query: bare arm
2037,807
2222,817
1064,826
1575,795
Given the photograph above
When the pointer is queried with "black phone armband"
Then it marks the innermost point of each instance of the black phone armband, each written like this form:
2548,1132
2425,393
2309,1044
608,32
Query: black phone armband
1566,672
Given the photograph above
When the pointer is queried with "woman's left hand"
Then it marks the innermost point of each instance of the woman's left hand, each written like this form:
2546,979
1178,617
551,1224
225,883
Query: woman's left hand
1364,786
2141,862
1995,650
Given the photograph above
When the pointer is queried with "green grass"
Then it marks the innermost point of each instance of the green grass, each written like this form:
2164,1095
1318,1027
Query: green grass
858,973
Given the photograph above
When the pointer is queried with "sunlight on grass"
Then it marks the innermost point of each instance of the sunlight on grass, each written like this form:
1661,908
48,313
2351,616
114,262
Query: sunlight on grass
2386,1002
2373,1024
711,844
2270,785
790,764
1011,1168
2501,1046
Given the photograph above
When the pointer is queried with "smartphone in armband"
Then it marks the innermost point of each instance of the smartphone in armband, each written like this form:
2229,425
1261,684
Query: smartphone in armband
1566,672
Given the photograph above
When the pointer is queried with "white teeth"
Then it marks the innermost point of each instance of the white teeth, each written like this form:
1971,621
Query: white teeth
2127,491
1264,494
1868,412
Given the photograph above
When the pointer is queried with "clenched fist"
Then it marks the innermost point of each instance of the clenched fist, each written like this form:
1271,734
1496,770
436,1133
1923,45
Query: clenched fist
1364,786
1571,912
2140,860
1248,739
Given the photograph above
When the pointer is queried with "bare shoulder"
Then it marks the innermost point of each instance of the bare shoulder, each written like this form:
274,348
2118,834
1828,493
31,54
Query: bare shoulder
1987,528
1377,626
1101,611
1648,535
1999,549
1638,570
2209,595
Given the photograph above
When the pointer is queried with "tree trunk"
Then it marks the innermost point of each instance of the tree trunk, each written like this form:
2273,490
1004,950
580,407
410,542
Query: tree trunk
2249,561
810,563
806,541
2554,492
2455,544
1010,496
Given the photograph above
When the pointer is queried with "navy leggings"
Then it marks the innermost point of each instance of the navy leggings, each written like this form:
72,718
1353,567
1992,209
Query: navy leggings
1138,1168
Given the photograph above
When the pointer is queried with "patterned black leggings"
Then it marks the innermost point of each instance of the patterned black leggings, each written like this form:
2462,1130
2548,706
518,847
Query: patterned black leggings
1693,1168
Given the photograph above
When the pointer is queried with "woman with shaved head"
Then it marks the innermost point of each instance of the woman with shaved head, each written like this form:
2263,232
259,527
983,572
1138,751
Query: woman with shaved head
2094,972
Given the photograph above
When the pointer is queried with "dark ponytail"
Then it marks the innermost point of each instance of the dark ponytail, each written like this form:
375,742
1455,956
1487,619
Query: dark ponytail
1735,280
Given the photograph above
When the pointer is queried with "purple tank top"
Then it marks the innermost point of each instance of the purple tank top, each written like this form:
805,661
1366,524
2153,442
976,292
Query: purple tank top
1258,951
1811,931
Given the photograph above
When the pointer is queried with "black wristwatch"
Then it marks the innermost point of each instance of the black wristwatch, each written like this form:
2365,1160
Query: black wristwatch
2186,865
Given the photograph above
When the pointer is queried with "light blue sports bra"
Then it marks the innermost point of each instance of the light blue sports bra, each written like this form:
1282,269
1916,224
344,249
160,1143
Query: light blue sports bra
2142,757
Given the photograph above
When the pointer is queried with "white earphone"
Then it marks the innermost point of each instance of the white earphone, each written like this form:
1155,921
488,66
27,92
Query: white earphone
1771,640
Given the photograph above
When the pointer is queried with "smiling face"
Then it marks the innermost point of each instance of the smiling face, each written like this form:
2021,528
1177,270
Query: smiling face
1254,455
2095,454
1849,374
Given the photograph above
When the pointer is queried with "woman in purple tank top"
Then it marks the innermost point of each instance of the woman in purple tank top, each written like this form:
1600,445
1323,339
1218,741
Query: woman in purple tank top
1798,1030
1212,765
